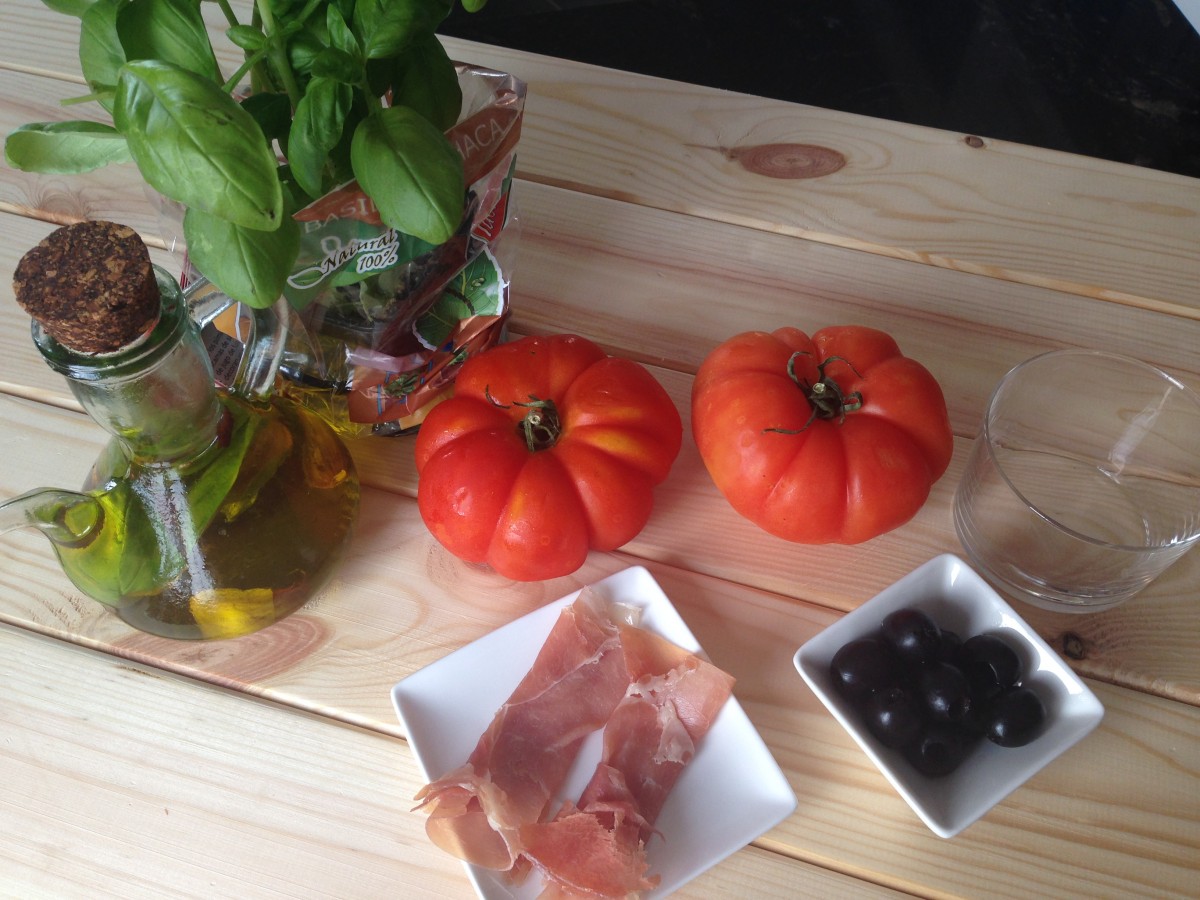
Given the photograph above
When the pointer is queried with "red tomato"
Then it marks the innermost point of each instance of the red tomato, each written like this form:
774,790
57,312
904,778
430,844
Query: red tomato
835,438
547,449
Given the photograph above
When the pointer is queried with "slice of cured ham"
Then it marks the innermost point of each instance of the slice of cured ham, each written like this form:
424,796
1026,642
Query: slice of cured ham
524,756
596,848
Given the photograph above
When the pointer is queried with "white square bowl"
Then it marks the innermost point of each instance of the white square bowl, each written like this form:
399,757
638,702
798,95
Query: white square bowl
732,792
958,600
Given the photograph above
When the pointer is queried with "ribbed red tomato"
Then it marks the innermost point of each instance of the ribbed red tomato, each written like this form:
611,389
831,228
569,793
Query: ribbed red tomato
547,449
835,438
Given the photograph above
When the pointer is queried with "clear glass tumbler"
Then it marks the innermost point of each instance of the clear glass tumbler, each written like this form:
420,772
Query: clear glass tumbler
1084,483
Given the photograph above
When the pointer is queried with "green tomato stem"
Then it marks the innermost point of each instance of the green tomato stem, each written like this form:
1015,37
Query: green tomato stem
541,426
825,398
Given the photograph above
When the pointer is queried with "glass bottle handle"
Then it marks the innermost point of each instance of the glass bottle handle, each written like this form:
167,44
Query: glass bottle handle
245,344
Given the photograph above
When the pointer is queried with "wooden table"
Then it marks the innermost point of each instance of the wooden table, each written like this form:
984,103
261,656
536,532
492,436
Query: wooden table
273,765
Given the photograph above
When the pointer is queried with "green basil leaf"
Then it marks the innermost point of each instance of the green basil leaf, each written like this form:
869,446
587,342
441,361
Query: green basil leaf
157,537
340,35
316,130
378,74
272,445
386,27
69,7
195,144
273,113
147,558
338,165
100,52
171,31
337,65
250,266
208,491
473,5
425,80
303,51
411,171
65,148
247,37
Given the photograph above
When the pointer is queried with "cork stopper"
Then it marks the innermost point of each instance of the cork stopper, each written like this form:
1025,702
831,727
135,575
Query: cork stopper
90,285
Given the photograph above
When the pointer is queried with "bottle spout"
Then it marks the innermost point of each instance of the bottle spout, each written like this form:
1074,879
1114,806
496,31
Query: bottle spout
68,518
74,523
106,543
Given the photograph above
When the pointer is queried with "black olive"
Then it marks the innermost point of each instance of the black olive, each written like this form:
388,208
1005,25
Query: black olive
990,664
932,696
945,693
862,667
893,716
1015,718
912,634
951,645
938,751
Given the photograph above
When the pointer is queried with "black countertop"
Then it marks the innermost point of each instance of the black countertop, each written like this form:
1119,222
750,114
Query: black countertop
1114,79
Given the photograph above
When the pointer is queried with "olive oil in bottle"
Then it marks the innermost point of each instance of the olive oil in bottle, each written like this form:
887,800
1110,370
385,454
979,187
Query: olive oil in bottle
208,515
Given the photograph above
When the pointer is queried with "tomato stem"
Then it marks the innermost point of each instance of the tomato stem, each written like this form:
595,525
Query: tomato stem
540,426
825,397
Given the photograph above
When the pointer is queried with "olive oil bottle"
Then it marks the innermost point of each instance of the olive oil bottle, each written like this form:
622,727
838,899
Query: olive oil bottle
209,514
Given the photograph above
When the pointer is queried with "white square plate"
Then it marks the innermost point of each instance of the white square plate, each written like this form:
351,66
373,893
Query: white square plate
731,792
958,600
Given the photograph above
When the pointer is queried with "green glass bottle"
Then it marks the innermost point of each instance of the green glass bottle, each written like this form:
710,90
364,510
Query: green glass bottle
209,514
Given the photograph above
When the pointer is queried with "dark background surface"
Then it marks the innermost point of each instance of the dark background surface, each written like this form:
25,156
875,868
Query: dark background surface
1115,79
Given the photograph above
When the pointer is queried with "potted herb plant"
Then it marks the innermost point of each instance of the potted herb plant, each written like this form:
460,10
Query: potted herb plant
337,103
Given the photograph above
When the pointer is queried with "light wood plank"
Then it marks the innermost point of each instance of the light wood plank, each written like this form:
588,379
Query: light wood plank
400,602
1126,791
1144,643
591,265
634,200
1020,213
1120,643
1049,219
115,192
156,786
598,264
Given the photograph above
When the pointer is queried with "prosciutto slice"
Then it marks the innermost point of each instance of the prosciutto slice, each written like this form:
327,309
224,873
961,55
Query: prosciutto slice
596,847
522,759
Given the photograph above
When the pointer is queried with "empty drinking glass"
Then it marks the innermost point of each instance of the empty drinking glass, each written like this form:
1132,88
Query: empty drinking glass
1084,483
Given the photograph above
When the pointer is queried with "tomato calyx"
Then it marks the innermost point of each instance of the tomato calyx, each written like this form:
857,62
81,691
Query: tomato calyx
825,397
540,427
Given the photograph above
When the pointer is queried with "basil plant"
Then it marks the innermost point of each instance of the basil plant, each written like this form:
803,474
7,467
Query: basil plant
303,113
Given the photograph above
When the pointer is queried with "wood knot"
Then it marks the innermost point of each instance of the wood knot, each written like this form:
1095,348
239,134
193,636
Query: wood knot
1074,646
238,662
973,141
788,160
